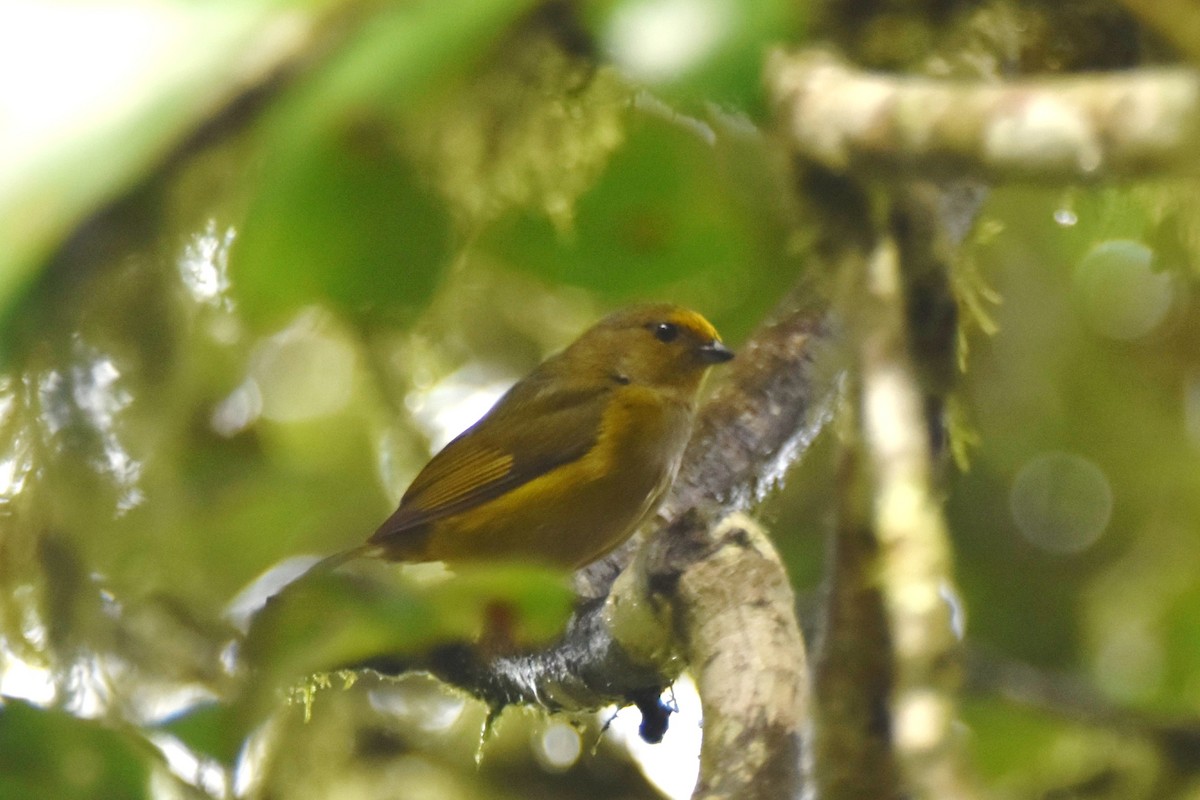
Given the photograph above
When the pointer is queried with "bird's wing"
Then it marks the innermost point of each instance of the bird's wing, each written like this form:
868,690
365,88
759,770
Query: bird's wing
531,430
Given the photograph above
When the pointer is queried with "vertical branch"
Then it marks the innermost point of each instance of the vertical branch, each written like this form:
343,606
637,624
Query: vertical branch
734,615
888,663
915,563
854,672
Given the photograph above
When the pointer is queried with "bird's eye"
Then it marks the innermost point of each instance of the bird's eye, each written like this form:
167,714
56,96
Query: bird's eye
666,332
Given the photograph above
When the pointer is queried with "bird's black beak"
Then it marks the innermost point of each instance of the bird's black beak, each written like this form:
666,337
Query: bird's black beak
715,353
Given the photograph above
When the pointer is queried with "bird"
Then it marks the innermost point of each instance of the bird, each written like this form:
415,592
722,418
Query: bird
571,460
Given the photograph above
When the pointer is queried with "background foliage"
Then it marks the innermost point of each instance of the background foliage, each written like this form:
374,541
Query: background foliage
230,338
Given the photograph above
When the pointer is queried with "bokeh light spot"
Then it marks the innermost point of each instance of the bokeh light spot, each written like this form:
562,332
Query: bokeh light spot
1129,664
1121,294
304,371
558,747
658,40
448,407
421,701
1061,502
204,265
1065,217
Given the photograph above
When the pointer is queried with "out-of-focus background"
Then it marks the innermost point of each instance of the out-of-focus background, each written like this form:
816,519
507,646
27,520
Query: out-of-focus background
261,258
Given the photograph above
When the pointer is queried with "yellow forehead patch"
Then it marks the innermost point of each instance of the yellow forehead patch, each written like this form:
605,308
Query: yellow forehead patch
649,314
696,324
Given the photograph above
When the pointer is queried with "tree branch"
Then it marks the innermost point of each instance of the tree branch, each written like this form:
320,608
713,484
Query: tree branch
914,569
853,673
1089,128
734,614
887,664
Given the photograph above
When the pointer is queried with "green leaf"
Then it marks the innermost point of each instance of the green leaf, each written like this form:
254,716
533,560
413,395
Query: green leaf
329,621
213,729
339,215
536,601
346,224
137,83
53,754
664,212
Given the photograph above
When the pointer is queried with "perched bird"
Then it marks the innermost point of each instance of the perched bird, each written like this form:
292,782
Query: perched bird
572,459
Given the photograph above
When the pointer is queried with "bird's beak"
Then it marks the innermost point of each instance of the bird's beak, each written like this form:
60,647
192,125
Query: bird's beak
715,353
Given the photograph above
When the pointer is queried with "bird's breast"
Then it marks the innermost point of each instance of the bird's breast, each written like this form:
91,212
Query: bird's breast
643,435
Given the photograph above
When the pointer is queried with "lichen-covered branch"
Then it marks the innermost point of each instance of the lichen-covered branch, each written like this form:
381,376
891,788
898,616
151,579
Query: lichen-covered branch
1084,128
887,662
712,595
914,569
853,665
735,616
885,700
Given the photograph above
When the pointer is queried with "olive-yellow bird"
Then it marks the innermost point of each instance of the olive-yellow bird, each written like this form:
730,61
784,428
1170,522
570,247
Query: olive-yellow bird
572,459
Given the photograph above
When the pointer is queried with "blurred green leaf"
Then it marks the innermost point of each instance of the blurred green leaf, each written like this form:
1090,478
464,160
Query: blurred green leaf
51,754
533,602
104,94
213,729
155,72
1004,740
328,621
1025,752
339,215
349,225
664,212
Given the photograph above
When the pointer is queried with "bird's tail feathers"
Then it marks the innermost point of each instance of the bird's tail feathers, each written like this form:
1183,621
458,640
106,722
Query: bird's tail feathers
330,563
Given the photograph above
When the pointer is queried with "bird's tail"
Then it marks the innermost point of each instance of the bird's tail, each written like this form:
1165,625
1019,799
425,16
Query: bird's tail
330,563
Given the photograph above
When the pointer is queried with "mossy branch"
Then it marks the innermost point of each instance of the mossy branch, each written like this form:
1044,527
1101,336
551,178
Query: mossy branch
1085,128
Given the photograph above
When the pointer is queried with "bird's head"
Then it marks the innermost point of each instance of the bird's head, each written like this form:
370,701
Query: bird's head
656,345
